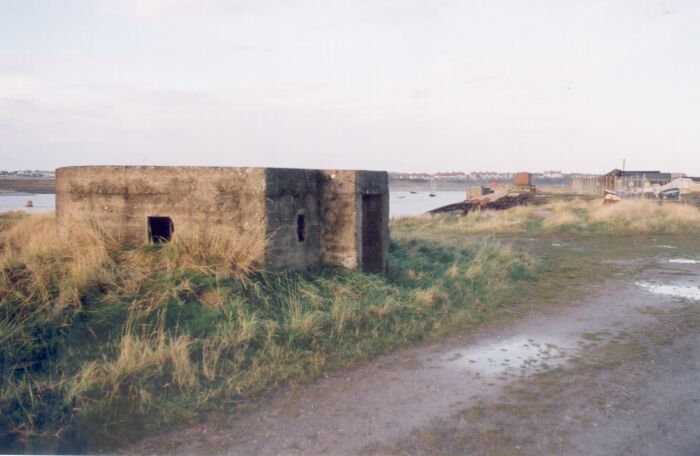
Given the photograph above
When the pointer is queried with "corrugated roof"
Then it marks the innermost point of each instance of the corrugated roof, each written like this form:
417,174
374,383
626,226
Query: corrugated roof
649,175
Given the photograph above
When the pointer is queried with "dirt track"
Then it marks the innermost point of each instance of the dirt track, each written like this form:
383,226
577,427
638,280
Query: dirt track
449,397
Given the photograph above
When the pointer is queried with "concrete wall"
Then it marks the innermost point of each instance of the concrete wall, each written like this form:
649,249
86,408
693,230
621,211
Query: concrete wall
342,215
119,199
288,194
587,185
339,219
595,185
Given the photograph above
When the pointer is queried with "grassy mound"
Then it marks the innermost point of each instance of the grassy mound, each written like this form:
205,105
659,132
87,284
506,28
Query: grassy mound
98,343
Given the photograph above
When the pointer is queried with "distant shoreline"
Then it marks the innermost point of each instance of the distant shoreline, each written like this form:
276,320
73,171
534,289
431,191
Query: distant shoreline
27,185
32,186
16,193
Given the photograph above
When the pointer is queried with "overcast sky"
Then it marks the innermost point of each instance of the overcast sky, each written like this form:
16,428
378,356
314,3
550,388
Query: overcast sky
377,84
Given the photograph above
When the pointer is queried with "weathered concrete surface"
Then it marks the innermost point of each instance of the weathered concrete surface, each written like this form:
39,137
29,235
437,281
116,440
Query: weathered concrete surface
290,193
310,217
339,215
119,199
343,219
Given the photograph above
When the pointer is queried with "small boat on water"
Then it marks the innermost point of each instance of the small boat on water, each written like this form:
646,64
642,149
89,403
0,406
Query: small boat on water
431,194
432,189
29,203
413,191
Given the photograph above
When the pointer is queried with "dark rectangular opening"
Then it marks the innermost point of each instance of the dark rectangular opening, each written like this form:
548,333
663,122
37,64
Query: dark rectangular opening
160,229
372,234
301,227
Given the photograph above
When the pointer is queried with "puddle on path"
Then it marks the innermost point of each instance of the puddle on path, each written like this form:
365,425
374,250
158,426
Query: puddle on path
683,261
678,291
515,354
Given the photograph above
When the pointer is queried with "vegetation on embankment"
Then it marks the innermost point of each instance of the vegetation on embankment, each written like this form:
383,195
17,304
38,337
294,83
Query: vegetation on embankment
45,185
628,217
99,342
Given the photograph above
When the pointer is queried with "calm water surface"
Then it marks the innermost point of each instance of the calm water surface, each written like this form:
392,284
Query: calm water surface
42,203
402,203
405,203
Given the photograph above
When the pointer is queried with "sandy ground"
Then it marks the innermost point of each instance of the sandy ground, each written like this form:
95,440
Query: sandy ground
616,372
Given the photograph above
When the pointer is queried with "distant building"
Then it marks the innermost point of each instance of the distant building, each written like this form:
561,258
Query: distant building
631,182
26,173
454,175
414,177
639,182
552,175
488,176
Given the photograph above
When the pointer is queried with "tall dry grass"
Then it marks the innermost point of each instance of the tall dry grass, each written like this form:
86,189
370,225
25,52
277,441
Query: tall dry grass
180,266
646,217
41,267
221,251
585,217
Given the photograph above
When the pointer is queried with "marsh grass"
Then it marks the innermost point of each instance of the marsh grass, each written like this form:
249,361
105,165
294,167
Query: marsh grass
628,217
99,343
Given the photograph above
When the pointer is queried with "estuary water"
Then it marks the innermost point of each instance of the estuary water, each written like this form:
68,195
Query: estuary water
404,203
401,203
17,202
